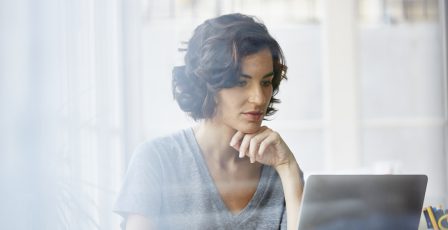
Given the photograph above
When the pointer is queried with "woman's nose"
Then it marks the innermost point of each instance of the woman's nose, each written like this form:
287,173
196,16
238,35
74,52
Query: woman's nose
257,96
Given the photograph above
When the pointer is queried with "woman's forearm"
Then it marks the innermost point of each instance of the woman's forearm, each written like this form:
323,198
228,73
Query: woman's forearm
291,177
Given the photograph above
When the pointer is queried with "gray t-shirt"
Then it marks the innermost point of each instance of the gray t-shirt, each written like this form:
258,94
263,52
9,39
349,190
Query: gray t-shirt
168,181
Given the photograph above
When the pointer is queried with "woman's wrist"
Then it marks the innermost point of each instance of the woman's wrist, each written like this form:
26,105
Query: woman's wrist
286,165
290,169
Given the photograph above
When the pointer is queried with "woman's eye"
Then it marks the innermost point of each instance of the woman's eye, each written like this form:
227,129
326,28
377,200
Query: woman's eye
266,83
242,83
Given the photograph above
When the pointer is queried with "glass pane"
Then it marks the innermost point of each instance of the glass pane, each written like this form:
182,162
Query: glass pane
301,94
401,71
412,150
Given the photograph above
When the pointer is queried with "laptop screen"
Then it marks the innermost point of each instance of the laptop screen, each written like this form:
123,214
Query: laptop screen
362,202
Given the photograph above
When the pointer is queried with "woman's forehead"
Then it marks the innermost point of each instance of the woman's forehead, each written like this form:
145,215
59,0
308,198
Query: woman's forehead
260,63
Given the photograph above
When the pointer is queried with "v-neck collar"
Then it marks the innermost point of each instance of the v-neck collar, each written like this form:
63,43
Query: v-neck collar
254,202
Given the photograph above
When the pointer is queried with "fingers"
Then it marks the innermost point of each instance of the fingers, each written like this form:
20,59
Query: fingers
255,143
269,140
250,143
245,145
265,146
235,142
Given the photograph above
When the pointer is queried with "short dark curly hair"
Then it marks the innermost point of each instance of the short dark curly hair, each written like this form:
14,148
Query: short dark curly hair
213,62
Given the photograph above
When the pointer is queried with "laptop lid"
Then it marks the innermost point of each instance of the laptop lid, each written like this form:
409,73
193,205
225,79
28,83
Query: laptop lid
362,202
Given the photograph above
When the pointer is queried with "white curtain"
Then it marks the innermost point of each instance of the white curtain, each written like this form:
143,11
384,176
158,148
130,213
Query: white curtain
62,113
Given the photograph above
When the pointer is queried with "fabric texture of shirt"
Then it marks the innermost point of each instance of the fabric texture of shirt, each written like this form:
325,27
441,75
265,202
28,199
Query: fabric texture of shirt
168,182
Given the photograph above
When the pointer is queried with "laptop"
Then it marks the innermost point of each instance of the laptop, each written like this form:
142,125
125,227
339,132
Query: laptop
348,202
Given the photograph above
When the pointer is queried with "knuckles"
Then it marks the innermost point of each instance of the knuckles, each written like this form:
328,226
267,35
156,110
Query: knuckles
248,140
254,141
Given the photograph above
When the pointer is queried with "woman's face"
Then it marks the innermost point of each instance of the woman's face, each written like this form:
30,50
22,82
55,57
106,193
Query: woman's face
243,107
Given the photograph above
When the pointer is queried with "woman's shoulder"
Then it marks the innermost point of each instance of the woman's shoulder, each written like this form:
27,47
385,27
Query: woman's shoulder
172,143
180,137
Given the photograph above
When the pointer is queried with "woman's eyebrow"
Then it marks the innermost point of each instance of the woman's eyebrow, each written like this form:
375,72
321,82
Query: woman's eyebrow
265,76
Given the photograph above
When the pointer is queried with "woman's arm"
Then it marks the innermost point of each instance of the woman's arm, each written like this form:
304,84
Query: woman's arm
267,147
290,175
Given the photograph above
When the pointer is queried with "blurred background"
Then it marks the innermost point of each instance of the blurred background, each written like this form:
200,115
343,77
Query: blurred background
83,82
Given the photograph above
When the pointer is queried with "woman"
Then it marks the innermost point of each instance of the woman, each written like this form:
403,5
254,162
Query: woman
229,171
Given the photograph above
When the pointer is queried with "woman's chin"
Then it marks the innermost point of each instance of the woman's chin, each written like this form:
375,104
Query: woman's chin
250,128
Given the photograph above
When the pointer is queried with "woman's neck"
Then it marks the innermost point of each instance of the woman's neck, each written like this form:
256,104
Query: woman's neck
214,141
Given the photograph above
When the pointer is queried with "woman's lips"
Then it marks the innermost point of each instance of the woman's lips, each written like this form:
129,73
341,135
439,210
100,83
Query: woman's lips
253,116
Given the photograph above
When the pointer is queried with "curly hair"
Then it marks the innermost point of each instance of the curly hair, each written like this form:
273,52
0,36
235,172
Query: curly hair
213,62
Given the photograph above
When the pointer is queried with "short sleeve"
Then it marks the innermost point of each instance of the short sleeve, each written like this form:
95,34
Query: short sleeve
141,189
